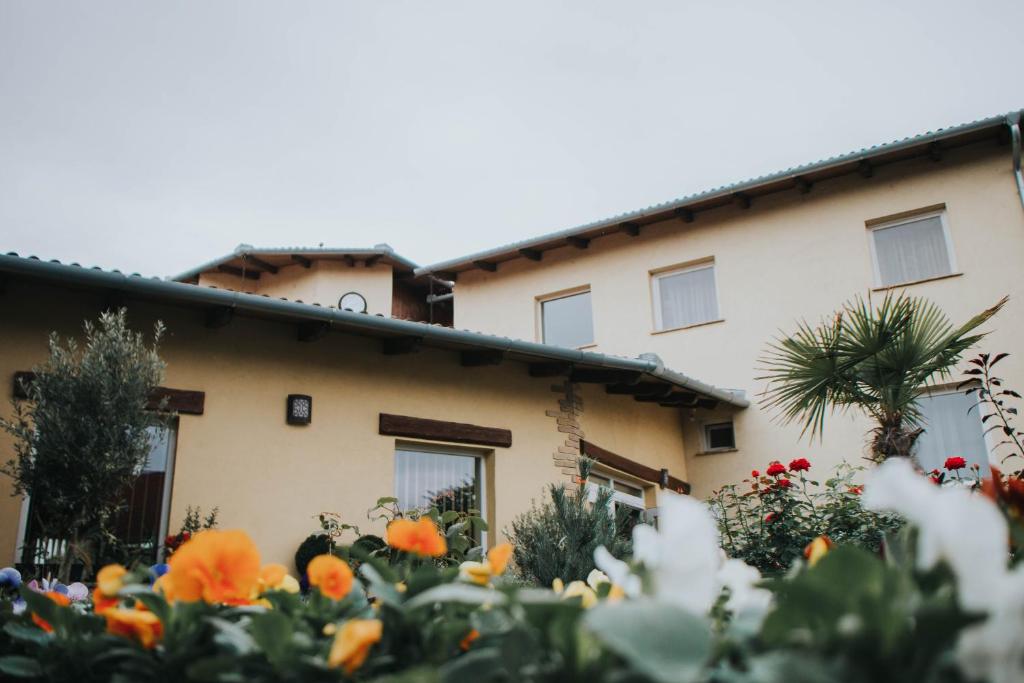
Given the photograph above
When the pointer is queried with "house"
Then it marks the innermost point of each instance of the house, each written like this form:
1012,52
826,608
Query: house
310,380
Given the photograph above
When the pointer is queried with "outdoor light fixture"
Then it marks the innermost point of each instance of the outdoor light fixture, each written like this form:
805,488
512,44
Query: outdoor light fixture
300,409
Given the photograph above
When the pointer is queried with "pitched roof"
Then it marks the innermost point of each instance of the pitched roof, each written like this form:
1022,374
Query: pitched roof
742,193
646,377
254,260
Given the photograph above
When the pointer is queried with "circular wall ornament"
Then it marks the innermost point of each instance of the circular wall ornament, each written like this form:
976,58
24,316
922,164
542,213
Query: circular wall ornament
352,301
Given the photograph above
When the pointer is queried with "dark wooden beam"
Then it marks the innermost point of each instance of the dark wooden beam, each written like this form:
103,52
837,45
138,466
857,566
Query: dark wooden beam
486,265
655,395
181,401
397,346
578,242
629,466
638,388
372,261
313,330
803,184
3,284
439,430
707,403
232,270
630,228
686,215
549,369
260,264
679,399
349,261
935,151
865,168
450,276
532,254
741,200
605,376
481,357
302,261
219,316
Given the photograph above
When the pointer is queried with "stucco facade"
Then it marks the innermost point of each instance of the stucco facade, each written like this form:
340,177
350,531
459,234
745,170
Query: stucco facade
271,478
789,256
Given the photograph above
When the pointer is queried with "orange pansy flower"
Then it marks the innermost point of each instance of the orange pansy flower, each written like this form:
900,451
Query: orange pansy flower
466,642
140,625
352,643
214,566
58,598
100,602
331,575
110,579
420,537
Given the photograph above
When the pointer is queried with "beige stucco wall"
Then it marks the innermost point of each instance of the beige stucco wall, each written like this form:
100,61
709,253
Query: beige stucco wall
323,283
790,256
270,478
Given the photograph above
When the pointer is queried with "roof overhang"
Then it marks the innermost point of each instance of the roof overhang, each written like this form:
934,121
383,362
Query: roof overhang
645,378
741,194
251,262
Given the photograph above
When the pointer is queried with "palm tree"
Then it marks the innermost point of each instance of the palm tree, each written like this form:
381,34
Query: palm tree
876,359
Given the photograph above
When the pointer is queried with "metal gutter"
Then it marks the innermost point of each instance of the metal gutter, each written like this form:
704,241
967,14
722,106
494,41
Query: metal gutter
1013,121
246,249
253,303
719,192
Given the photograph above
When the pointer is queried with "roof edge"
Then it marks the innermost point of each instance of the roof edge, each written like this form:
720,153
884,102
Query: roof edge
246,249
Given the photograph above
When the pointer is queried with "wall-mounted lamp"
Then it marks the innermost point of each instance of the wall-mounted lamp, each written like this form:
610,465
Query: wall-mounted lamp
300,409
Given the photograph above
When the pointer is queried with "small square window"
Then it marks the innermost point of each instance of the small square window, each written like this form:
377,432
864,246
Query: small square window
912,249
719,436
685,297
568,321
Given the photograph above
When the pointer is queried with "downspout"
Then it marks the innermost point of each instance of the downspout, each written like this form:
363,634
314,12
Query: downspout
1013,121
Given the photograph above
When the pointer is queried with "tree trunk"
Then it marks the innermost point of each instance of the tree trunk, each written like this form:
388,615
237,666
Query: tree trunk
892,439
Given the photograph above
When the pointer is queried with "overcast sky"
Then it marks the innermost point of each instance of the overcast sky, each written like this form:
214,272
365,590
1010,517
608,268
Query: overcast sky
154,136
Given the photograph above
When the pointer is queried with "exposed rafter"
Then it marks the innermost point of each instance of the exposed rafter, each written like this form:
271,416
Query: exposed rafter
578,242
218,317
398,346
232,270
313,330
630,228
481,357
302,261
259,264
486,265
532,254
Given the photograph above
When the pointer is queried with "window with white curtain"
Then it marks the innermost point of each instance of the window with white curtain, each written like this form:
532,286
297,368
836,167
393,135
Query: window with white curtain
912,249
952,425
685,297
426,477
567,320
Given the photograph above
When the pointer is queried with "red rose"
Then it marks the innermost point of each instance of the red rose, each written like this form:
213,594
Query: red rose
856,490
955,463
799,465
755,473
784,483
770,517
775,469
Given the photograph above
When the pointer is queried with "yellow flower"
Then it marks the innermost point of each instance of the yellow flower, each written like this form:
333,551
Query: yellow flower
575,589
110,579
353,642
275,577
140,625
420,537
214,566
331,575
817,549
480,573
596,578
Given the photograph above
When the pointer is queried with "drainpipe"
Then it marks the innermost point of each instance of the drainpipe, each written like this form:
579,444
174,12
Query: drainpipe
1013,121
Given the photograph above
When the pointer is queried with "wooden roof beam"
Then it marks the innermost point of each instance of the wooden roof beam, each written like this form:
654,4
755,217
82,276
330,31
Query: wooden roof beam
260,264
313,330
302,261
578,242
605,376
865,168
371,261
803,184
532,254
219,317
233,270
555,369
685,215
630,228
489,266
741,199
481,357
397,346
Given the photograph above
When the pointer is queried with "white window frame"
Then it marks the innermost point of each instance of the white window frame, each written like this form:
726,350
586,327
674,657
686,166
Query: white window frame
707,441
944,389
443,449
657,276
565,294
939,213
618,497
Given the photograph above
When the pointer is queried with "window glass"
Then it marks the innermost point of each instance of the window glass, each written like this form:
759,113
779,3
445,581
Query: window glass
687,297
448,481
911,251
568,321
950,430
719,436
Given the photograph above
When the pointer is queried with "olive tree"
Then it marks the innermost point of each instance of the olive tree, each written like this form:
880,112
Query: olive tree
82,435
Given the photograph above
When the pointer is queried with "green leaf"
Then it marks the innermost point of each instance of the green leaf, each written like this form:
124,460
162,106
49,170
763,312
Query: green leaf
272,631
458,593
30,634
664,642
20,666
449,516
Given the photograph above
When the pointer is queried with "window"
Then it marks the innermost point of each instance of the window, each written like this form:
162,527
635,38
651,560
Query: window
568,320
627,498
427,477
912,249
719,436
950,430
685,297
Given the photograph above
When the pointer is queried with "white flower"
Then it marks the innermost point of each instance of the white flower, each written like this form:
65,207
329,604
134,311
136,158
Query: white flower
969,533
617,571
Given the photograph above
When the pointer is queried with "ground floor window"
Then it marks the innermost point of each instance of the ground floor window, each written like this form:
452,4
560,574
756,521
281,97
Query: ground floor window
627,500
449,479
952,424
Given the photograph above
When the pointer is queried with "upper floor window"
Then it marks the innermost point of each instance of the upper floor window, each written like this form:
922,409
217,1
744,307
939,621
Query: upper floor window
719,436
684,297
567,320
912,249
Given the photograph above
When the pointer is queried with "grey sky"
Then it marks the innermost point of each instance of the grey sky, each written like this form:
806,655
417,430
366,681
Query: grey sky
154,136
